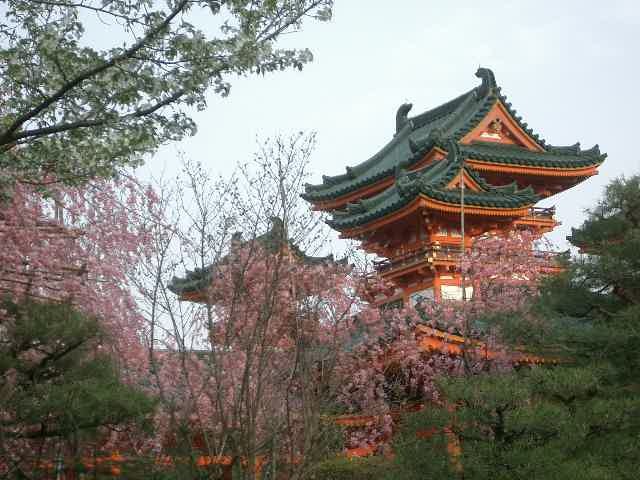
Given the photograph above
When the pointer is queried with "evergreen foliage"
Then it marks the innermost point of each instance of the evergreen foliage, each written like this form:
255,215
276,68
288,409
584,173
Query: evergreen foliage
75,108
55,380
343,468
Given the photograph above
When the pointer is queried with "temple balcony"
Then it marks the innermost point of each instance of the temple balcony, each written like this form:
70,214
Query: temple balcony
539,218
432,256
427,257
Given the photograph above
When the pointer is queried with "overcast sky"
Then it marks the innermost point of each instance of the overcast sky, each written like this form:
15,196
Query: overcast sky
570,68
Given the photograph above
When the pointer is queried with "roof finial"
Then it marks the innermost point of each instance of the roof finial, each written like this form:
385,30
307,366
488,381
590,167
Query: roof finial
488,81
401,115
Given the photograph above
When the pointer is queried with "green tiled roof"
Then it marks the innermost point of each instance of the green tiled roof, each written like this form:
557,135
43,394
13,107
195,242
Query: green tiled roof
558,157
415,136
432,125
380,166
194,281
199,279
431,181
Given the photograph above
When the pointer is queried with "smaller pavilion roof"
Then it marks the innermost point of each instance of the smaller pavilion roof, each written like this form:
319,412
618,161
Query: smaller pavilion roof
198,279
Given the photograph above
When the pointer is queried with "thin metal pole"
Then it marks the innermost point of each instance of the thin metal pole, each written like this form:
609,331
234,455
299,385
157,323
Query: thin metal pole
462,252
465,325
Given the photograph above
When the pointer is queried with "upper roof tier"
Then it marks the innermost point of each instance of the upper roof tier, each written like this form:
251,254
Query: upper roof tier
475,121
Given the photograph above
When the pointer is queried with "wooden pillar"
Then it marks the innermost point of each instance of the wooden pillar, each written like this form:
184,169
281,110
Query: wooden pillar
437,293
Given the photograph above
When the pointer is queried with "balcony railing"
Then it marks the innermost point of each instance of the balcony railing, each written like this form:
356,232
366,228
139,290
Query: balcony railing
437,253
548,212
447,254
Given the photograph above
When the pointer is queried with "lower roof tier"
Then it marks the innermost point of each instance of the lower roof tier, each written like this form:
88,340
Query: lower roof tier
437,187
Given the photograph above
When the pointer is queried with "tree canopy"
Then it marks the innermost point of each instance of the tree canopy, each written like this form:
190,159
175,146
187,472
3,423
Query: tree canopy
73,108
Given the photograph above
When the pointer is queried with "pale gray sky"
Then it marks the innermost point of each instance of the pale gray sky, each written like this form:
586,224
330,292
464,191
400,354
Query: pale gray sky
570,68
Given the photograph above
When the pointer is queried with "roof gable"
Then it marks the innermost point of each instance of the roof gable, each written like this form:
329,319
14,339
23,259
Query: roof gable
498,126
469,182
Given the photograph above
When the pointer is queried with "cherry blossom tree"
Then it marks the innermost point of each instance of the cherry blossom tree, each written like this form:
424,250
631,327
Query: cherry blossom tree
76,245
399,371
247,370
284,340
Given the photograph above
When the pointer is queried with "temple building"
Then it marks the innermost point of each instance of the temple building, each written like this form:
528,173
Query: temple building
194,286
471,161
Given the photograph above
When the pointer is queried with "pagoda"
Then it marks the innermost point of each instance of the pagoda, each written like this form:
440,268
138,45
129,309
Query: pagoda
471,161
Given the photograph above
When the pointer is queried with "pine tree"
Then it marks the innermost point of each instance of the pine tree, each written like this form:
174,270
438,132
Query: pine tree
59,389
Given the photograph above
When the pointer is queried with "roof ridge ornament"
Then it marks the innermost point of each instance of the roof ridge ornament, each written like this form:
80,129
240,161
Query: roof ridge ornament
402,115
566,149
453,150
593,151
401,168
488,82
405,184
